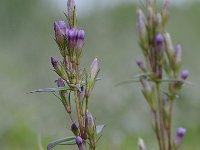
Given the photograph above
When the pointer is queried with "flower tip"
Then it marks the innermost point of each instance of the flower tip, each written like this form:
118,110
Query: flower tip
141,144
53,60
179,137
184,74
59,25
60,82
180,132
75,129
79,141
159,39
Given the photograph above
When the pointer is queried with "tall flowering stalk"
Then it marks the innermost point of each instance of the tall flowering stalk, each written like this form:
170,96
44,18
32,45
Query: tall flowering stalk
162,64
74,85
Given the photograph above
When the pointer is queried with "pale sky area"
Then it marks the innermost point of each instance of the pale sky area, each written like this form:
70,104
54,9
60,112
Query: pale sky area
84,6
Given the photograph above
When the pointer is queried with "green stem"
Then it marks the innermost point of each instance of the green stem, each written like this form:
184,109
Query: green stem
78,113
160,105
157,129
169,125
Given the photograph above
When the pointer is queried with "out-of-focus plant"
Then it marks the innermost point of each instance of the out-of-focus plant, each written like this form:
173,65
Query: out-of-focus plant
74,85
160,75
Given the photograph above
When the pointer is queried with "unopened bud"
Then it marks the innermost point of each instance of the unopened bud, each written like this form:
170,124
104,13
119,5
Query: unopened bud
176,85
159,42
71,36
90,125
179,137
184,74
150,16
177,57
59,28
168,41
94,68
140,64
80,39
169,47
80,143
75,129
147,90
55,63
71,8
141,144
141,26
165,10
159,21
60,82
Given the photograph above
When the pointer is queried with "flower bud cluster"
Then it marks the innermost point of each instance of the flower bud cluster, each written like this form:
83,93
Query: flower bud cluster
156,44
69,39
162,63
73,80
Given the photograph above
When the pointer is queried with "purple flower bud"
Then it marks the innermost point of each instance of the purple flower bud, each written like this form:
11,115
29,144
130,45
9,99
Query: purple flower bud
184,74
179,136
60,82
79,141
89,124
75,129
80,39
59,28
140,26
70,7
55,64
71,37
159,41
140,64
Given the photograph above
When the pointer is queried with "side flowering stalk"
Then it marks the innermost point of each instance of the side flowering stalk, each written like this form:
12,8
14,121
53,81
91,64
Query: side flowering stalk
162,64
74,85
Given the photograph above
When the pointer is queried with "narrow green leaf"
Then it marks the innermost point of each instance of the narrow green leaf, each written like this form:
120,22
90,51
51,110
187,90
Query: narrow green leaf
50,89
65,141
172,80
127,82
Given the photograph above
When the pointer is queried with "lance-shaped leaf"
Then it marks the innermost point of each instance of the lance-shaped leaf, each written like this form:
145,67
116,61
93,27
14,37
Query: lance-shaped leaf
66,141
50,89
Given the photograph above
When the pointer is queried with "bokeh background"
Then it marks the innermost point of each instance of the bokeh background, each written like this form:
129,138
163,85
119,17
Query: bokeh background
28,121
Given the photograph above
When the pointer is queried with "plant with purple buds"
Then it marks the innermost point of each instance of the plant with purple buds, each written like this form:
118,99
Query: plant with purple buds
74,85
162,64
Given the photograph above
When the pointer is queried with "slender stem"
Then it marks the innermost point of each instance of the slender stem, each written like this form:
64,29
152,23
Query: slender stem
160,105
78,113
86,107
169,125
157,129
71,118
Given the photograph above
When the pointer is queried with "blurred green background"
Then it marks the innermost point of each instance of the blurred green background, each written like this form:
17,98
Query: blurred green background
26,45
